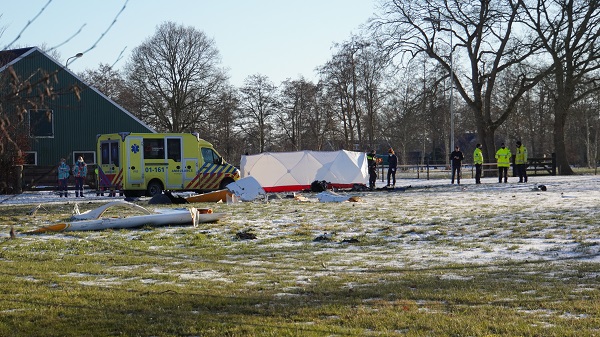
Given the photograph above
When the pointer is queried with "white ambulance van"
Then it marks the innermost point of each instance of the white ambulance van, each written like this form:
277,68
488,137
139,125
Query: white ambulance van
138,164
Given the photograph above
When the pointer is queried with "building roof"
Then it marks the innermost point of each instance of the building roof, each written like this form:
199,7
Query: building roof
9,56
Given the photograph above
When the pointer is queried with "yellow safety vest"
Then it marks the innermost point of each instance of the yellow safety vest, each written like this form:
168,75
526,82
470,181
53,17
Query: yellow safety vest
477,156
521,156
503,157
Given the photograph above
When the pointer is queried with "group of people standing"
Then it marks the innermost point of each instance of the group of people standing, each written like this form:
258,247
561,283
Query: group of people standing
372,162
503,157
64,172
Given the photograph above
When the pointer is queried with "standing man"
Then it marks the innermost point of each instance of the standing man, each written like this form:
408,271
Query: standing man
521,162
392,165
63,177
503,159
456,158
478,161
79,172
372,164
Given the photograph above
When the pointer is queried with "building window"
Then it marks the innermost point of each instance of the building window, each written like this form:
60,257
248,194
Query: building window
30,158
89,157
41,123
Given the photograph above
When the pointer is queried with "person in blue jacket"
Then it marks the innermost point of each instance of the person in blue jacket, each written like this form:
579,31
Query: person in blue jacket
63,177
79,172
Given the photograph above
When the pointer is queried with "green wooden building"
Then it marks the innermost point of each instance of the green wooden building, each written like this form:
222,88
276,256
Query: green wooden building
64,125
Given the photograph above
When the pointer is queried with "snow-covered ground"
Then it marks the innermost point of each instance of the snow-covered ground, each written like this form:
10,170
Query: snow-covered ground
555,184
422,222
37,197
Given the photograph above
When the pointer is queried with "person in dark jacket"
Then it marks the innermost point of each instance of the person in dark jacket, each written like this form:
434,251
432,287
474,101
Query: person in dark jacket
392,165
372,165
456,158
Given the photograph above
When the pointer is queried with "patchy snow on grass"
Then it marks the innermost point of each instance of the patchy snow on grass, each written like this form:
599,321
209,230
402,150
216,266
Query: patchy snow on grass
423,224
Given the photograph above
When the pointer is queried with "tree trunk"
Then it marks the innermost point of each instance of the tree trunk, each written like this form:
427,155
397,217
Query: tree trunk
562,163
486,138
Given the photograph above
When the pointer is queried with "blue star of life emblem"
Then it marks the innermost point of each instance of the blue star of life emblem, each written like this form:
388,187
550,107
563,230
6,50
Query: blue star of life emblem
135,148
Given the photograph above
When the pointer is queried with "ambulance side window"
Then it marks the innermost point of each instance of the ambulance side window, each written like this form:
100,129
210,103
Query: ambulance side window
154,148
210,156
114,153
105,153
174,149
109,153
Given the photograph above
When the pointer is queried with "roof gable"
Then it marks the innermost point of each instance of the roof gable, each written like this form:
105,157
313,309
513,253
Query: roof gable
8,57
13,56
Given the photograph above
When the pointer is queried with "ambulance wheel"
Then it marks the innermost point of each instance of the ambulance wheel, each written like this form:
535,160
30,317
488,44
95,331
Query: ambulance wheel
154,188
225,182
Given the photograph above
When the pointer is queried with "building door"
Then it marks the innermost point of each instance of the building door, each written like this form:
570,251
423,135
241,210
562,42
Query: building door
135,160
175,169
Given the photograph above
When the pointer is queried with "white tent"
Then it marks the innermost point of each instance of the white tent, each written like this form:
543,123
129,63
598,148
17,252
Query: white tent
295,171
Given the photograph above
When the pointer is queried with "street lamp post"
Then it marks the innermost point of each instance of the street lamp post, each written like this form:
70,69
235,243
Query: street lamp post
439,22
72,57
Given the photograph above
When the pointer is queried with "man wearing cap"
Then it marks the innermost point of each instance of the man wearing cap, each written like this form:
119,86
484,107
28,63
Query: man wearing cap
521,162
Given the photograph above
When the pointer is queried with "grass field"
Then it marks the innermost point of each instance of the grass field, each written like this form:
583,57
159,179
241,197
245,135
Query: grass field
433,259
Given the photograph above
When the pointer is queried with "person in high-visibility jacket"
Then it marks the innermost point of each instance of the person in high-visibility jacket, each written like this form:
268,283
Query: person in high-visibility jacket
503,156
521,162
478,161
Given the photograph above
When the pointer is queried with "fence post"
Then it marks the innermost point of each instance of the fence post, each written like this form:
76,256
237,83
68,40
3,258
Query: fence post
553,163
18,179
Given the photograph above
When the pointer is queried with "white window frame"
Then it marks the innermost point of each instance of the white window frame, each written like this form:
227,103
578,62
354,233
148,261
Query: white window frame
35,157
76,154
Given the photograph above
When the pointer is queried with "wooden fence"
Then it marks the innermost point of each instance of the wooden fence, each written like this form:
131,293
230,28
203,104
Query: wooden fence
46,177
535,167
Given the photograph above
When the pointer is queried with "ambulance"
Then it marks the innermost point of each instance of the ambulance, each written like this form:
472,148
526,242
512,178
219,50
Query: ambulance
136,164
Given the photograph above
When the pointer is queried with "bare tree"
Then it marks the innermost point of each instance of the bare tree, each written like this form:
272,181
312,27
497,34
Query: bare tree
570,34
371,71
298,104
106,79
323,128
176,75
341,75
258,106
221,128
482,32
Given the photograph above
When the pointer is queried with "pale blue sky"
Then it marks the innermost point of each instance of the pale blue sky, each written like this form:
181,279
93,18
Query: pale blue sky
277,38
